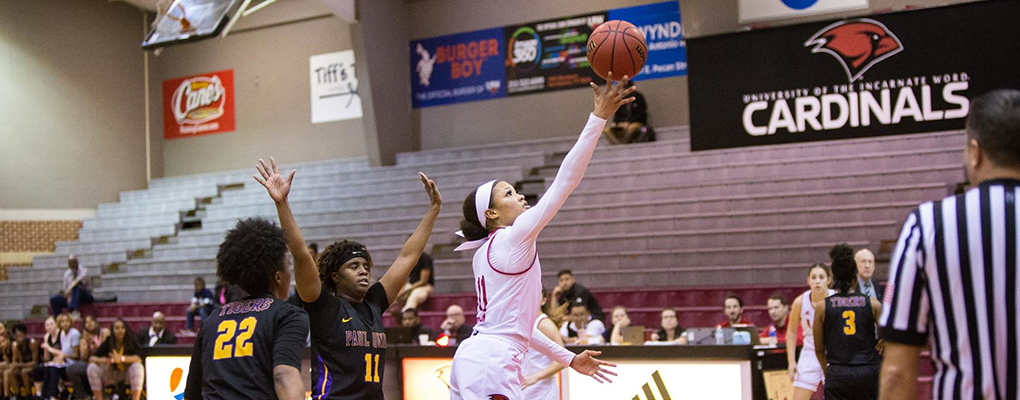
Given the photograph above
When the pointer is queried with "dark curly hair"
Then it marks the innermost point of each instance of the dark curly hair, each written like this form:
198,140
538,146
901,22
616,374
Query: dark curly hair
472,228
844,268
335,256
251,254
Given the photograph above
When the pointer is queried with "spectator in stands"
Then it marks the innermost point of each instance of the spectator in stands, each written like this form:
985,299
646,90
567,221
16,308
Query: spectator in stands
411,320
91,338
455,326
779,312
67,340
117,360
156,334
419,285
74,289
569,292
25,358
582,328
50,344
201,305
5,363
313,249
621,320
3,330
630,123
670,331
865,270
733,307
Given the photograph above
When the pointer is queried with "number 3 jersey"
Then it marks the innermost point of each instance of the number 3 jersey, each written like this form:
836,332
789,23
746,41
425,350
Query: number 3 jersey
348,345
850,330
240,344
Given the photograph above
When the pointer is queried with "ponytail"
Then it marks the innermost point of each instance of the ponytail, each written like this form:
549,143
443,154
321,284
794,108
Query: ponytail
844,267
470,226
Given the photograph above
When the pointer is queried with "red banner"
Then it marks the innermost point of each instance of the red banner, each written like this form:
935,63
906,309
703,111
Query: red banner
198,105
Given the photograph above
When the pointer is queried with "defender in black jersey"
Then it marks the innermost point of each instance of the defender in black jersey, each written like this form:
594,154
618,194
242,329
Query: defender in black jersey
345,311
844,330
251,348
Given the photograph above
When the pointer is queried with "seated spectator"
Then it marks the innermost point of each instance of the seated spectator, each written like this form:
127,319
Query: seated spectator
156,334
3,330
313,249
779,312
201,305
733,307
582,328
455,326
117,360
25,357
74,291
61,347
568,291
91,338
630,123
5,363
50,346
419,285
411,320
620,320
670,329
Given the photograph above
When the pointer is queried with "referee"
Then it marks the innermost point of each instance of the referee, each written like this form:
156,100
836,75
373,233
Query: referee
953,276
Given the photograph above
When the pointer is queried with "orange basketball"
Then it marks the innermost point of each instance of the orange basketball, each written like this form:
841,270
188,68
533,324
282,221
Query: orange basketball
617,46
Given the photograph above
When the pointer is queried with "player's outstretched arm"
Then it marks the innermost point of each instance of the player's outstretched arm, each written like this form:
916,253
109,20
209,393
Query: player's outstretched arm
397,274
287,381
584,363
547,328
607,101
306,275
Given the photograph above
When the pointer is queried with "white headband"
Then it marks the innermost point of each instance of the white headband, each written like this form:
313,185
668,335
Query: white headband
483,195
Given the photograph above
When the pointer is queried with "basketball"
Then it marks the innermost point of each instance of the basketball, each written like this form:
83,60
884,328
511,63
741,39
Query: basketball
617,46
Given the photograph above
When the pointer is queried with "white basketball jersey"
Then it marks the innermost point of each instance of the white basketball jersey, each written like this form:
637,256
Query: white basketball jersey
507,302
807,318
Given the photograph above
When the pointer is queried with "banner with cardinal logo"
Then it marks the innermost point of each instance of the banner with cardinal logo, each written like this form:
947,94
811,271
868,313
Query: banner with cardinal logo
198,105
898,73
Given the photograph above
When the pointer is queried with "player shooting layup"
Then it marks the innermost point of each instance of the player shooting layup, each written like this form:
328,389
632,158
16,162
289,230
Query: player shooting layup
508,276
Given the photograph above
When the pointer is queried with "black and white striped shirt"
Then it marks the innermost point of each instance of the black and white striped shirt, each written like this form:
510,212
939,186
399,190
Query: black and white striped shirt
953,279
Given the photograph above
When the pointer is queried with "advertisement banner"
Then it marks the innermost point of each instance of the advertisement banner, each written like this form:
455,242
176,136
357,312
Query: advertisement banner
537,57
761,10
334,87
664,35
166,376
550,55
457,68
664,379
898,73
198,105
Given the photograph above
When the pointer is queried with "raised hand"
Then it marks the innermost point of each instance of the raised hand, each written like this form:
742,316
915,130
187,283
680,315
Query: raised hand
609,99
586,364
270,178
430,188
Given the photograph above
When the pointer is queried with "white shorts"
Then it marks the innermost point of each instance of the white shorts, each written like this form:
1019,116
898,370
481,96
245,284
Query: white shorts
545,389
486,367
809,371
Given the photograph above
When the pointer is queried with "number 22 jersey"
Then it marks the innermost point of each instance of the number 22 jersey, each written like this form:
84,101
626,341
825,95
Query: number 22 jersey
238,347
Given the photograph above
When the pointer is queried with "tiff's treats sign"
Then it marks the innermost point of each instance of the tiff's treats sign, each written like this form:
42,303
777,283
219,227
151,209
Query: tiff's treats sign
198,105
897,73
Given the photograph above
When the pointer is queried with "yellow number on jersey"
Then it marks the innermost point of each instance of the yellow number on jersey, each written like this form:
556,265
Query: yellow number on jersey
368,368
851,326
227,329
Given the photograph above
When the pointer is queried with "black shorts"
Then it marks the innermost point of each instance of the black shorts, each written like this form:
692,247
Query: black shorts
851,382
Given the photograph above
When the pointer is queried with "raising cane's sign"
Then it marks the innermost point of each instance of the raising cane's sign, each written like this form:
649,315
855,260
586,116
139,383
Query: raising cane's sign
198,105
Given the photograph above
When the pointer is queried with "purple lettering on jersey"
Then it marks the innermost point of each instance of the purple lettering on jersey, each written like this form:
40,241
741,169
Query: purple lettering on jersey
848,301
379,340
265,304
350,338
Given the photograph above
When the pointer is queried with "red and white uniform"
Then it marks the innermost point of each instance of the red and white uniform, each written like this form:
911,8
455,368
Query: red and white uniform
508,282
535,362
809,371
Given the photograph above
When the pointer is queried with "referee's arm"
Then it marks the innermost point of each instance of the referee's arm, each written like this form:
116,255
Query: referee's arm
903,328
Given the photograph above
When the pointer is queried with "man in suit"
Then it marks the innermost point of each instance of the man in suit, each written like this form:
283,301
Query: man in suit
865,270
156,334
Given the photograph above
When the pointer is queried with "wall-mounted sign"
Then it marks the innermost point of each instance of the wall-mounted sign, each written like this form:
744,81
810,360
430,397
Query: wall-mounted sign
198,105
334,87
762,10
